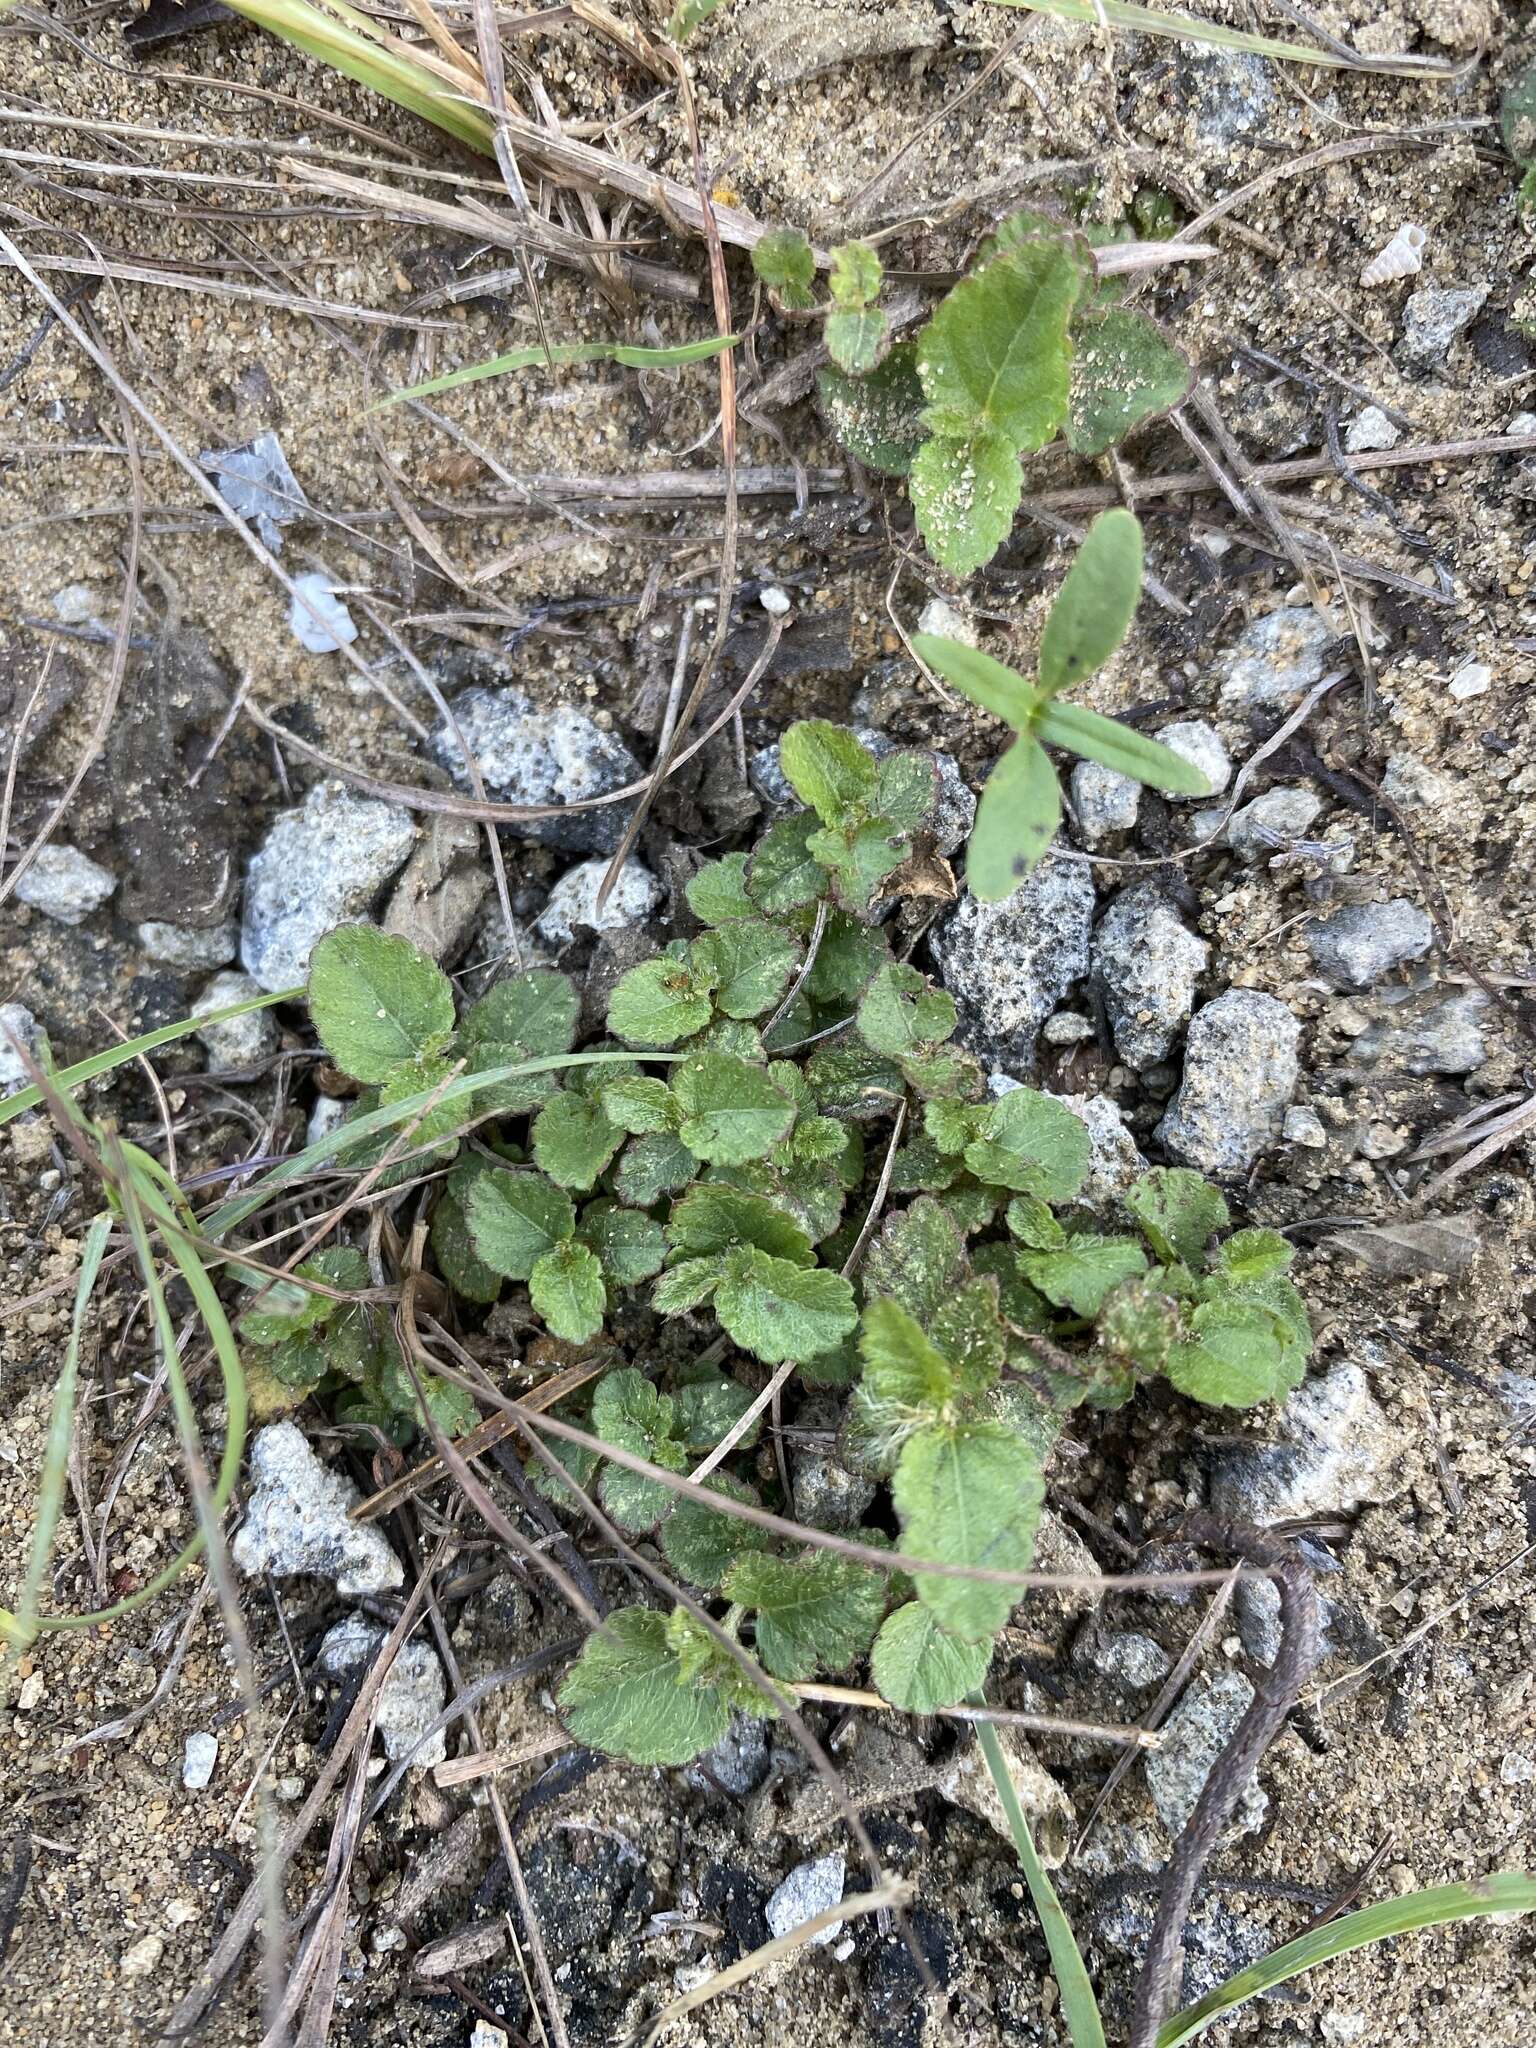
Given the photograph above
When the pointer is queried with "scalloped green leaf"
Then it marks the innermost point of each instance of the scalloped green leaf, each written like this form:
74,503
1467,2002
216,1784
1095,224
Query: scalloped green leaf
780,1311
1084,1272
659,1003
813,1613
919,1666
1031,1143
566,1287
626,1695
968,1494
1179,1212
1125,371
732,1111
996,352
878,417
748,964
514,1218
573,1140
376,1002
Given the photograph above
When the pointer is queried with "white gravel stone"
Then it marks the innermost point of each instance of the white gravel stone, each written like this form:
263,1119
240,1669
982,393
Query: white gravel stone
1272,821
528,754
1105,801
297,1520
572,904
1009,964
1336,1448
1194,1735
774,601
238,1041
319,866
65,884
1148,964
1240,1069
1276,659
1363,942
1472,679
198,1759
1370,431
412,1696
17,1021
946,621
177,945
1303,1126
321,623
1198,742
809,1889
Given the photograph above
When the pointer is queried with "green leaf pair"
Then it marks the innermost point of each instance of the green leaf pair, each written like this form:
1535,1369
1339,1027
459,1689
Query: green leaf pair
855,329
1020,807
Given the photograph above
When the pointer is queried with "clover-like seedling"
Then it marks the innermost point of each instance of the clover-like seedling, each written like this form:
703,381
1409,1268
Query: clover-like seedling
689,1200
1032,344
1021,805
856,329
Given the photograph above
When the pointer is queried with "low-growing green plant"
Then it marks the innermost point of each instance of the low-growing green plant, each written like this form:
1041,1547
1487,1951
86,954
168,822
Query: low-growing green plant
855,329
1021,806
709,1160
1517,123
1031,344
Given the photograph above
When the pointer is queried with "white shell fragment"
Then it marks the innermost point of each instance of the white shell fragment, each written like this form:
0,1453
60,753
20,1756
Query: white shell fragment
331,626
1402,256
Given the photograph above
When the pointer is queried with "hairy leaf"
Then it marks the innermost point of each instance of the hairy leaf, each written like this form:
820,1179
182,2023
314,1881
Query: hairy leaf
640,1103
625,1695
630,1246
653,1166
965,491
1118,747
920,1667
991,684
782,874
855,276
829,769
702,1543
996,354
1124,370
1031,1143
1233,1360
1179,1211
732,1110
748,964
779,1310
453,1245
573,1141
786,263
1084,1271
718,892
628,1413
903,1371
878,417
566,1287
1016,821
704,1409
853,338
659,1003
514,1219
902,1013
711,1219
968,1494
917,1257
815,1612
377,1002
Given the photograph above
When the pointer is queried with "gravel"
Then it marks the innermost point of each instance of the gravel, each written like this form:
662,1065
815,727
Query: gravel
1370,431
65,884
1114,1158
1336,1447
528,754
1147,964
255,482
737,1764
1105,801
1231,93
809,1889
198,1759
1009,964
413,1694
320,623
1363,942
1303,1126
1433,318
175,945
968,1783
572,904
17,1021
1194,1735
1130,1660
297,1520
319,866
1193,740
1276,660
1428,1033
1240,1070
238,1041
1274,820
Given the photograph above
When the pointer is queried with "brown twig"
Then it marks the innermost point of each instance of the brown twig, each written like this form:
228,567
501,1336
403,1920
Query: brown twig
1277,1692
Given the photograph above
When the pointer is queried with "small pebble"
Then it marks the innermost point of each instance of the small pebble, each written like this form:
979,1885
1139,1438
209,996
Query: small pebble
1369,431
237,1041
1067,1027
1200,743
808,1890
1471,680
947,622
317,618
30,1693
774,601
1303,1126
202,1753
139,1960
175,945
65,884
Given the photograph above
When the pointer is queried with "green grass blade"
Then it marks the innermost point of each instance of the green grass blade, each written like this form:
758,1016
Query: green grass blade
412,86
67,1078
20,1628
1189,28
332,1149
1078,2004
1508,1891
567,352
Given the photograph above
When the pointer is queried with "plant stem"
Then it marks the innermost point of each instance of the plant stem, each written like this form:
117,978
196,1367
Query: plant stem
1078,2003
